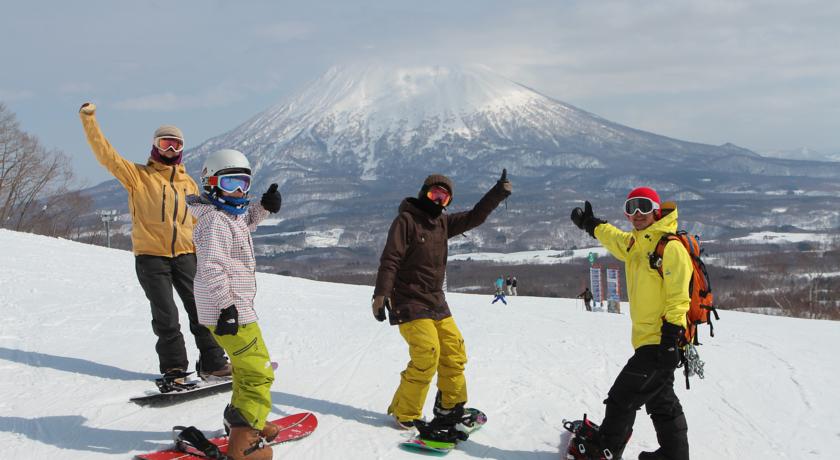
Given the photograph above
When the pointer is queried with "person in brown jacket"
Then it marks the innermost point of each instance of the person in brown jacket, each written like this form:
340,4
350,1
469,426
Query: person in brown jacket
409,283
162,239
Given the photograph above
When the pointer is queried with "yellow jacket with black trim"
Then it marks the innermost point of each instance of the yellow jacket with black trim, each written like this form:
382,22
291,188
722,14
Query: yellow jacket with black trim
653,298
160,222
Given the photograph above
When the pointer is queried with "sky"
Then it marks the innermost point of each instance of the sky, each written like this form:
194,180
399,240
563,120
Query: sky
763,74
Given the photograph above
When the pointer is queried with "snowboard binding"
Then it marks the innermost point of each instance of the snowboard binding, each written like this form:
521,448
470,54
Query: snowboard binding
174,381
191,440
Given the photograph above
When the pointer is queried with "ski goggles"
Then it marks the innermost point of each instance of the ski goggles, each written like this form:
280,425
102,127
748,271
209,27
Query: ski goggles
230,183
641,205
169,143
439,195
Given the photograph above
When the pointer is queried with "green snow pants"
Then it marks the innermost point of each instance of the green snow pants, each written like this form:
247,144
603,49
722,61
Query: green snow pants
252,372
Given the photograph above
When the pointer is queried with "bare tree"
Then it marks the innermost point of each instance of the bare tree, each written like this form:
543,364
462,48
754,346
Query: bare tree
35,184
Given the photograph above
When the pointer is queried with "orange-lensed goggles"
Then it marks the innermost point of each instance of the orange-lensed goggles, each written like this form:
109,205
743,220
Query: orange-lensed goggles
439,195
169,143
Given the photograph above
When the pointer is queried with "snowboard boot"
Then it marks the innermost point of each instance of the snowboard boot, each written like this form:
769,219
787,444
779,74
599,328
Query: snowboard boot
463,419
223,373
245,443
586,443
656,455
672,435
440,433
269,431
406,424
445,426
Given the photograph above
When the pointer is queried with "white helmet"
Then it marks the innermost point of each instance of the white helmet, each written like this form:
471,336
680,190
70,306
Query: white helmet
222,162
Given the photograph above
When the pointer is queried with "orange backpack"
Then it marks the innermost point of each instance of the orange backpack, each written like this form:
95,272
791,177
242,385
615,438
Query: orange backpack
699,289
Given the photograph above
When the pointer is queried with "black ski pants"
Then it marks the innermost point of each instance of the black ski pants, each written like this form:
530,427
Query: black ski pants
158,275
642,382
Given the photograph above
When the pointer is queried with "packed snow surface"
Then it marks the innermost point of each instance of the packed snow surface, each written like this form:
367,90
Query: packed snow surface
76,344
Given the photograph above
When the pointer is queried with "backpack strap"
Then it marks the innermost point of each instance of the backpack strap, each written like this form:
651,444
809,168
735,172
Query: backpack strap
655,257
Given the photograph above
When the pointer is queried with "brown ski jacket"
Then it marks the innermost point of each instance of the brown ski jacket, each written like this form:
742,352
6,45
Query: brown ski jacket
413,262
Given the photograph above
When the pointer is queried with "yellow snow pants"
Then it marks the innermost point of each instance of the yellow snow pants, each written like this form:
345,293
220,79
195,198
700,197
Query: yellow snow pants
434,347
252,372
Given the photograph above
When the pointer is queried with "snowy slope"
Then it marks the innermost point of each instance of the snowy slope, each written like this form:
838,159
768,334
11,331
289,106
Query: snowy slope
75,344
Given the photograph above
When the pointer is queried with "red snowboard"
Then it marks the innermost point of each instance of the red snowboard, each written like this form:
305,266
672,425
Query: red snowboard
292,427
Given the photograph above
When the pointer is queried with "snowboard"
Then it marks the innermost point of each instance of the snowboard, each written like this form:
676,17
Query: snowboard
292,427
171,393
192,390
440,448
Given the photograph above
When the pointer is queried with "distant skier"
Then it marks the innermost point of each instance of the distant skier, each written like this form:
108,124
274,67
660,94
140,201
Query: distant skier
225,287
500,285
586,295
513,284
658,306
508,284
409,280
162,238
499,295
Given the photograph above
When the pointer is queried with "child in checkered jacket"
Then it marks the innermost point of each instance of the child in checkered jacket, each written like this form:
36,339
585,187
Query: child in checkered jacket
225,287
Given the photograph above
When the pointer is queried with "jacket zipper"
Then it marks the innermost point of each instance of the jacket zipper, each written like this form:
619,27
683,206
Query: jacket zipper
175,212
163,205
186,211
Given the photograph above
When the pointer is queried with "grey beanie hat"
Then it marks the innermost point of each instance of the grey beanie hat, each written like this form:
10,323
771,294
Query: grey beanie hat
169,131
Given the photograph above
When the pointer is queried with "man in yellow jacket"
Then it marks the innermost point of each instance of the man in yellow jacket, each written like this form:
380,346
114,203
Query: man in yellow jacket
162,239
658,305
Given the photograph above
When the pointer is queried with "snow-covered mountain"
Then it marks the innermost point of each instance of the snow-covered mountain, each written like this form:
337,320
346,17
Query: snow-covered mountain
386,122
346,148
804,153
76,343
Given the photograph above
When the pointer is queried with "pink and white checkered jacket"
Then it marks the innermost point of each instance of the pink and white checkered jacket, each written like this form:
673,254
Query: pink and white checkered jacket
225,274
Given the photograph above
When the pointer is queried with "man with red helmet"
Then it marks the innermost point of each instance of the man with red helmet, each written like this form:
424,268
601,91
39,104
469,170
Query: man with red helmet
658,305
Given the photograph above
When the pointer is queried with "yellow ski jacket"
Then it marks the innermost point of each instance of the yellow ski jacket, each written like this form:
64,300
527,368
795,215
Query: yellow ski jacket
653,298
160,222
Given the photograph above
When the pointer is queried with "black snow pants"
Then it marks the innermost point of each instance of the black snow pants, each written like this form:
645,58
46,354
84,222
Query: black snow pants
158,275
642,382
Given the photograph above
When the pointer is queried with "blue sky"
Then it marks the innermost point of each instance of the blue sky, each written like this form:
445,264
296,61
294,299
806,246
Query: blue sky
761,74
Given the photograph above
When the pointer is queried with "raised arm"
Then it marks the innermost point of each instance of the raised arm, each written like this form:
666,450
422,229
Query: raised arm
609,236
123,170
461,222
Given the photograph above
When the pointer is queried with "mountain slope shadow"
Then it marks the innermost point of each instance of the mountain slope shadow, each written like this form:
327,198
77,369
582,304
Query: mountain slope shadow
74,365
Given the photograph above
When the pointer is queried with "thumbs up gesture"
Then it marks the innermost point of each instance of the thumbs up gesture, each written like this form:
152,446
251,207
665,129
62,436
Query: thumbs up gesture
271,200
504,184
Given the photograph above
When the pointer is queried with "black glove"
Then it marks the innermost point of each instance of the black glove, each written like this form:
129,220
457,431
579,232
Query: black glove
379,304
585,220
668,354
271,200
228,323
504,185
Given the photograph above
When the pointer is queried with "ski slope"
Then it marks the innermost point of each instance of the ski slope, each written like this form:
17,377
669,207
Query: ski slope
75,344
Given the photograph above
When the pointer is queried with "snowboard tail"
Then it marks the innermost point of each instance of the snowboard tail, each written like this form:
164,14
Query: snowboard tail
292,427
